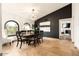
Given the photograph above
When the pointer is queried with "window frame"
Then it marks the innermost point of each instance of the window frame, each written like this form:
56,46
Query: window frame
6,26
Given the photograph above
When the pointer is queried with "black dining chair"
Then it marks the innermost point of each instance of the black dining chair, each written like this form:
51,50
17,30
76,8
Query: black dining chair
20,38
37,36
41,35
32,40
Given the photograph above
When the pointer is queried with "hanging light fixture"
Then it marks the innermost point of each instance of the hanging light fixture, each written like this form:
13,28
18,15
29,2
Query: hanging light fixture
33,9
33,14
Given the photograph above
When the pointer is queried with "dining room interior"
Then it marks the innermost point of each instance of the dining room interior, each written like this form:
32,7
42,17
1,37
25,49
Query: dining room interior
39,29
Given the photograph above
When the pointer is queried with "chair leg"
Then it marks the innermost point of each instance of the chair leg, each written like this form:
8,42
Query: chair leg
17,43
34,43
29,42
42,39
21,45
26,42
38,41
10,43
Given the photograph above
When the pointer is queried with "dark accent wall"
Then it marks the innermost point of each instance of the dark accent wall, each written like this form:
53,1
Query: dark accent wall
65,12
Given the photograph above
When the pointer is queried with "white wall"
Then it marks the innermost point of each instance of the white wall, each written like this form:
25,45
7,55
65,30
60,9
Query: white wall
9,14
75,21
6,17
22,12
0,31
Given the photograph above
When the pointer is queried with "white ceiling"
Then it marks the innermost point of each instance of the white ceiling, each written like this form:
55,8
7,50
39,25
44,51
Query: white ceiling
24,10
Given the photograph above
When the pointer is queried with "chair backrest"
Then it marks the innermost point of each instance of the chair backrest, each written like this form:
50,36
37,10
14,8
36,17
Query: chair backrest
23,32
18,35
41,34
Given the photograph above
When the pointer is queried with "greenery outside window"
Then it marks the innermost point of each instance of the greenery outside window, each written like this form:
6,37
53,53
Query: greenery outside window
11,27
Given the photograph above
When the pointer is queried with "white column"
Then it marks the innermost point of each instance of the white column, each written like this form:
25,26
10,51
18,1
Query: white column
75,23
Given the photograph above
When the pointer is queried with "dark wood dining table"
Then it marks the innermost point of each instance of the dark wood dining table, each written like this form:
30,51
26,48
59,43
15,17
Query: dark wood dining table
30,37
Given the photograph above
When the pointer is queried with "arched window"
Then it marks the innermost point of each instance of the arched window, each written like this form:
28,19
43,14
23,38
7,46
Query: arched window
27,26
11,27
